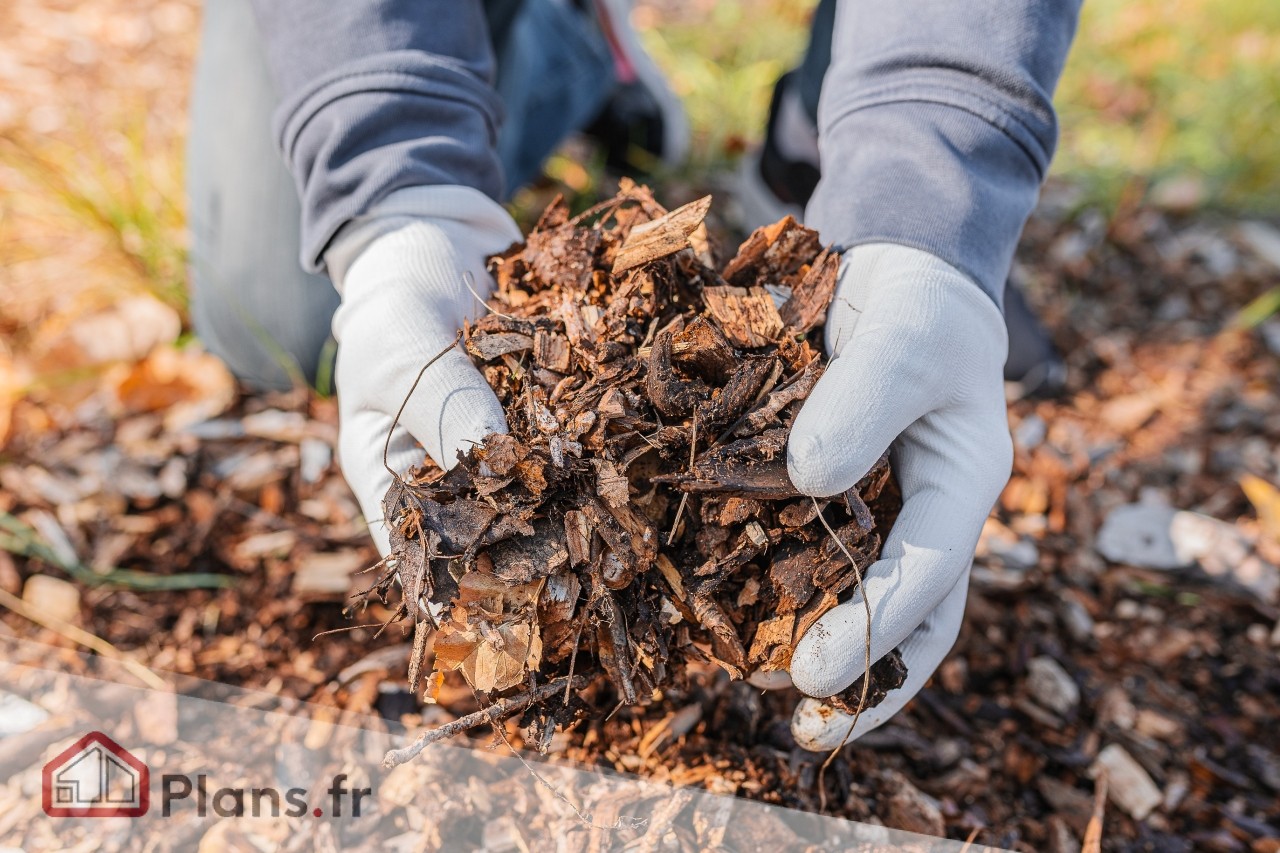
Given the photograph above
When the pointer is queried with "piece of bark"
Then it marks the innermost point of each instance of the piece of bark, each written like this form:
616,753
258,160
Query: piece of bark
661,237
522,559
747,317
702,349
772,636
773,254
764,414
810,299
747,477
672,394
551,351
488,346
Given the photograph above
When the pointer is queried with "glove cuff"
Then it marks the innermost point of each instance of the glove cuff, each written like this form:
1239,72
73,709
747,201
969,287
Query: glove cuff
891,272
476,226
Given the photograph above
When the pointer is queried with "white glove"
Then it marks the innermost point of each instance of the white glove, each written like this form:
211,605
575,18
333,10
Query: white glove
918,351
406,272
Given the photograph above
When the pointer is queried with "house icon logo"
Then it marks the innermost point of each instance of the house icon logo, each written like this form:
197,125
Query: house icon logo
95,777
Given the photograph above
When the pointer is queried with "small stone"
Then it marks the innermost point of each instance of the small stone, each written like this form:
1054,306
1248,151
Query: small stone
1114,708
1128,785
1138,535
1030,432
156,713
911,809
1076,619
1224,552
276,425
53,597
1051,686
1156,725
18,716
1262,239
315,456
1128,413
401,786
275,543
1000,543
1180,193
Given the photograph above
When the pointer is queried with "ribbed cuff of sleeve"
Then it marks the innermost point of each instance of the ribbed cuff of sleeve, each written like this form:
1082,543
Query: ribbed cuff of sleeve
941,171
374,126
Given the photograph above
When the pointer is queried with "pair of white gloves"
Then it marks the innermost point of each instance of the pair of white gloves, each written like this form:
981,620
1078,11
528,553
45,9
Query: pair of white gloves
917,354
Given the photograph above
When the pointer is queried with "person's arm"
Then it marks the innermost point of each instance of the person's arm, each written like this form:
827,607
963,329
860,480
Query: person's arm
936,126
379,95
388,121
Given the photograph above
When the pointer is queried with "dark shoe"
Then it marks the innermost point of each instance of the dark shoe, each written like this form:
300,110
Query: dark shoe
770,185
1033,368
643,123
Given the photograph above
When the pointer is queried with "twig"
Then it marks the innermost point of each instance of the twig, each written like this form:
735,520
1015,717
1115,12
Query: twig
470,281
82,637
573,658
1093,832
386,447
866,675
498,710
968,842
684,498
583,817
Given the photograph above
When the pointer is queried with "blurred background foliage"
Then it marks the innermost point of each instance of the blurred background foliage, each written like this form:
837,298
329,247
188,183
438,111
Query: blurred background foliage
1180,97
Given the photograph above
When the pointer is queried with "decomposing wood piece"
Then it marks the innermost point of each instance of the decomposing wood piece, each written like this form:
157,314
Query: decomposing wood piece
888,673
664,236
487,346
747,316
700,348
672,393
811,297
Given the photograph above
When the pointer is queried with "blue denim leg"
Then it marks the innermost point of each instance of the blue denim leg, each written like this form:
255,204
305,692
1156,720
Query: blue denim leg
555,73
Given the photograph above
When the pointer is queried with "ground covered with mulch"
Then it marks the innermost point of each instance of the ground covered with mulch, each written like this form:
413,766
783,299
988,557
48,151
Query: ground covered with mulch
1068,661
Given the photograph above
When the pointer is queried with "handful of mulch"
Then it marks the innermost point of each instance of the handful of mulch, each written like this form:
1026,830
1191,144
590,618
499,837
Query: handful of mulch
638,517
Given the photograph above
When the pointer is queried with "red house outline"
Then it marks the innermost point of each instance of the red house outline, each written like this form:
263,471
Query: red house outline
140,772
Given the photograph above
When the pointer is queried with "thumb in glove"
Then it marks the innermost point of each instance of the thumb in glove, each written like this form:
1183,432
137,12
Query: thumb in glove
411,272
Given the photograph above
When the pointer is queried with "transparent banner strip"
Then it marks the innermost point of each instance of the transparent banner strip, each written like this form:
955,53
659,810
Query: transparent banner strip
92,758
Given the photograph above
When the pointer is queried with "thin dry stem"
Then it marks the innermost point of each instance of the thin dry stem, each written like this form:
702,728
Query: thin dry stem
499,710
866,675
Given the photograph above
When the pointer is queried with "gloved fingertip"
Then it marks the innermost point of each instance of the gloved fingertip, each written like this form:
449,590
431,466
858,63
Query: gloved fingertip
804,466
831,654
818,727
775,680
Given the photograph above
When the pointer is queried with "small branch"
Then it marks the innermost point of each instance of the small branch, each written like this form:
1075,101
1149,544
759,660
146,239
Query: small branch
866,675
499,710
1093,831
386,447
684,498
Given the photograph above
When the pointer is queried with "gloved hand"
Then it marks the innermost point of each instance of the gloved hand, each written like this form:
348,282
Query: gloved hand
407,272
918,351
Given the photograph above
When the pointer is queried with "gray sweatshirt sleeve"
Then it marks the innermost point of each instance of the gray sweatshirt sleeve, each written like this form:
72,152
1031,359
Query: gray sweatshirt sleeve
376,95
936,126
